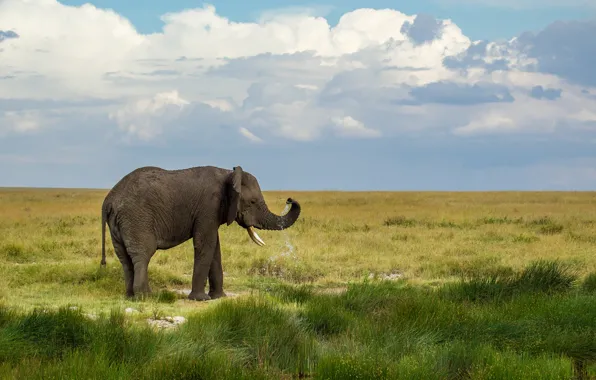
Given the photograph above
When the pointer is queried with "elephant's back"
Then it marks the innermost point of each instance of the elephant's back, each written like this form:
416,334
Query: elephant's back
140,186
151,186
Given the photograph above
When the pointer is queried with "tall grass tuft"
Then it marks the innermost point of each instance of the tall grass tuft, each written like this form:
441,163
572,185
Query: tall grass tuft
120,342
260,330
589,283
288,293
539,277
325,316
545,276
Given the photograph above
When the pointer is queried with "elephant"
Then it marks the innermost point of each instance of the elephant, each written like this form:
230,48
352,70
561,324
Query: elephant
152,208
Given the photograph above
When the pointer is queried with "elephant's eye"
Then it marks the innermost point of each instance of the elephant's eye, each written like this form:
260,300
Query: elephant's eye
253,201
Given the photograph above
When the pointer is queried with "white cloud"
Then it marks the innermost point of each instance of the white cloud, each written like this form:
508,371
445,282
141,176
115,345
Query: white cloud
349,127
249,135
20,122
144,118
488,123
289,75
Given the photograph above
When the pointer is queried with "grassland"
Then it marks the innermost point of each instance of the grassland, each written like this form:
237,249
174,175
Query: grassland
365,285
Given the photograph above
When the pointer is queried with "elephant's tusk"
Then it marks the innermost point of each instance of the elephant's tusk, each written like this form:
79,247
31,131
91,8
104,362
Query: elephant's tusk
256,238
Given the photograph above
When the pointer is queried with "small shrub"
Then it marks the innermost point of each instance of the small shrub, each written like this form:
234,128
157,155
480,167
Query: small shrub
354,228
15,253
581,238
543,221
524,238
404,237
545,226
500,220
550,229
491,237
400,221
48,246
445,224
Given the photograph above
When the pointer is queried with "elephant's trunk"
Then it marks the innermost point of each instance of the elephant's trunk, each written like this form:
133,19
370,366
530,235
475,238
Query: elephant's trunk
270,221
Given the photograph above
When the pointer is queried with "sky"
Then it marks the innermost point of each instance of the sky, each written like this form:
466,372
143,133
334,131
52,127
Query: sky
382,95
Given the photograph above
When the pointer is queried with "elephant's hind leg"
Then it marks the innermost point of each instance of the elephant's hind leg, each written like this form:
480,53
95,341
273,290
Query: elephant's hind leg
140,252
127,266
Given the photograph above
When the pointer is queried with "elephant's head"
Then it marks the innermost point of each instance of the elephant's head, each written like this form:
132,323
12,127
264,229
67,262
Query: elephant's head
246,206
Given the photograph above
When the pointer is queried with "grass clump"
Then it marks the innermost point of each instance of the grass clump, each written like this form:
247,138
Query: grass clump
491,220
545,226
400,221
545,276
323,315
42,333
551,229
589,283
525,238
539,277
15,253
260,331
166,296
287,293
354,366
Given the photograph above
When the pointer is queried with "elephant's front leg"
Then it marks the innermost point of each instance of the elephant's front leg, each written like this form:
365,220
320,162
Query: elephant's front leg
216,274
204,247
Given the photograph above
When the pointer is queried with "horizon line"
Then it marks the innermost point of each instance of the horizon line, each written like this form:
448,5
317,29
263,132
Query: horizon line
9,188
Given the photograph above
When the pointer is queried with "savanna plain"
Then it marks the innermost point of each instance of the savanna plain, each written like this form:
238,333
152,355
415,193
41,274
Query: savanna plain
379,285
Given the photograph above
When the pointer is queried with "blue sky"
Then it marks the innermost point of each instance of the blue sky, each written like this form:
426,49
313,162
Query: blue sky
427,95
478,21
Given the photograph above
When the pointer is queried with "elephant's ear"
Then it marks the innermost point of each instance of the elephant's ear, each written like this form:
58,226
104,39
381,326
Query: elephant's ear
234,185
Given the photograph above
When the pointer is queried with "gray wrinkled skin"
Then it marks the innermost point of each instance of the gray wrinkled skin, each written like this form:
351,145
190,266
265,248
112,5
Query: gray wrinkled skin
153,208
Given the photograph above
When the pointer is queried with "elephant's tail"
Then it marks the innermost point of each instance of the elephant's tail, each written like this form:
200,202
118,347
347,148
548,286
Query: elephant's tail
103,234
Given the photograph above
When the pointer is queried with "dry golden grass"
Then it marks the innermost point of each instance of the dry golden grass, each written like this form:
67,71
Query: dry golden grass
50,245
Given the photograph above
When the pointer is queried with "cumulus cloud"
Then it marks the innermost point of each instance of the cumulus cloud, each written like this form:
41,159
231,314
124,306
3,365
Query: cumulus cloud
284,76
349,127
249,135
20,122
271,73
564,49
453,93
379,74
145,118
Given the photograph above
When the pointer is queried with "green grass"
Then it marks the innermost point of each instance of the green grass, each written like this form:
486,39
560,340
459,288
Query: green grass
544,328
364,286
